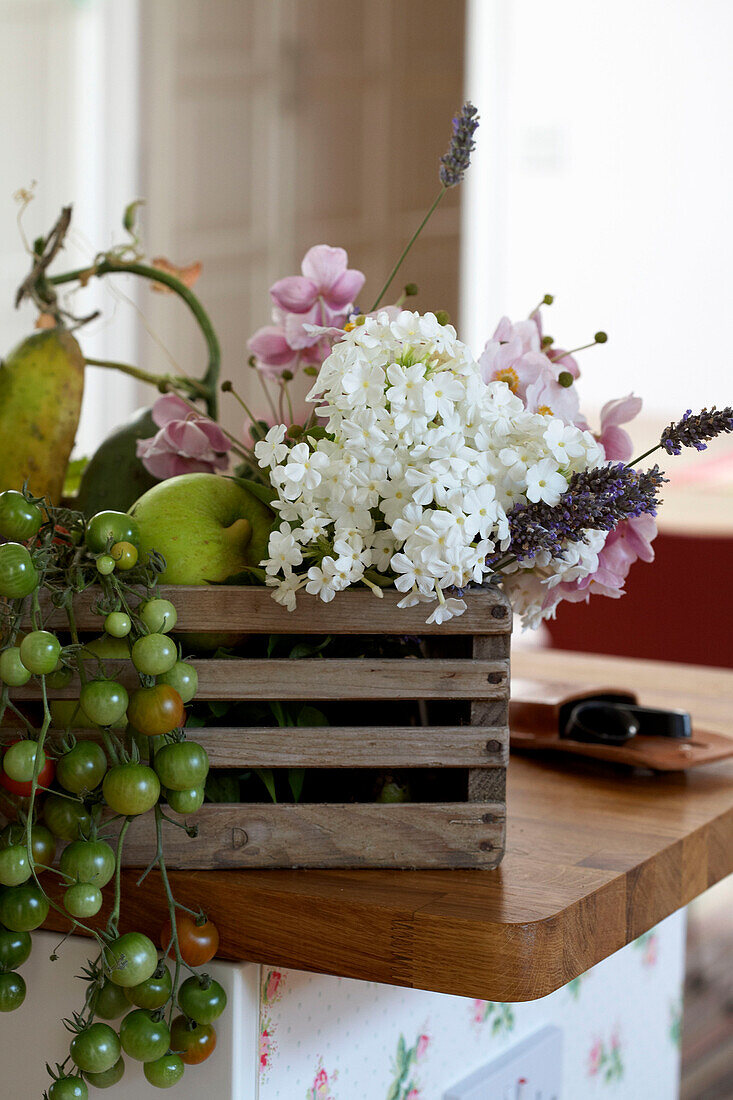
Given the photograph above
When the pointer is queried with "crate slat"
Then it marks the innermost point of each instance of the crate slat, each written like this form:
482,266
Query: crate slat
345,746
339,678
415,835
252,610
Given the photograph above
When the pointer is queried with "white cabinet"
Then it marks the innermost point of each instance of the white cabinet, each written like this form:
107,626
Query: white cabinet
54,992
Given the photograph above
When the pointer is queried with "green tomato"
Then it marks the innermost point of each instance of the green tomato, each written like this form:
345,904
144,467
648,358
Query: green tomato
82,768
12,670
131,959
67,819
182,765
105,565
18,576
108,1077
131,789
15,947
68,1088
40,651
43,843
110,1001
23,908
60,677
143,1037
118,624
19,761
105,701
154,992
19,519
159,616
202,999
83,900
154,654
14,866
184,678
111,527
124,555
91,861
95,1049
164,1072
12,991
186,802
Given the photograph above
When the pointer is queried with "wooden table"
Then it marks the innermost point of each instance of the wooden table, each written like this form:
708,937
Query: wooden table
595,857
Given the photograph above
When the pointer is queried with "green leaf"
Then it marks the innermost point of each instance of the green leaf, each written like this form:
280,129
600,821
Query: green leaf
264,493
309,649
129,218
221,787
280,714
251,574
219,709
311,716
272,644
296,778
268,778
72,479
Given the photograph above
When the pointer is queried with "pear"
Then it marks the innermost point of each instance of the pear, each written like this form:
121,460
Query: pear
41,387
115,476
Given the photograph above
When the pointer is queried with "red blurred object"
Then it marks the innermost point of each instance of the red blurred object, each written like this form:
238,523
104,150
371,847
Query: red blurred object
678,608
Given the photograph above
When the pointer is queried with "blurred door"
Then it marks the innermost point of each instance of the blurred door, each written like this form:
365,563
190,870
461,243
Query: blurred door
272,126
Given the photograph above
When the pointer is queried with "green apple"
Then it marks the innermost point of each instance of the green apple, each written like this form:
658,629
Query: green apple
207,527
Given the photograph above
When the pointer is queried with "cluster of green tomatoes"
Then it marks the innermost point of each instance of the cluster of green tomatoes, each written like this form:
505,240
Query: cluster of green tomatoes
59,784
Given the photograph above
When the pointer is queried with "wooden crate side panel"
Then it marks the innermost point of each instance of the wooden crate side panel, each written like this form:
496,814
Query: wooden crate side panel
406,835
485,786
345,746
252,610
331,679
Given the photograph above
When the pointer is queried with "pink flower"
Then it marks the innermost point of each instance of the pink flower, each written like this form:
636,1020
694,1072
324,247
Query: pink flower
186,443
514,355
629,542
273,984
595,1057
615,441
423,1042
651,952
325,277
310,313
264,1047
413,1094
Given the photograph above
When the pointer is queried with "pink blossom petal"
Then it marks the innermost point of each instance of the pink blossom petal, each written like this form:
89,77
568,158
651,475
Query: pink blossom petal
217,440
620,411
296,332
169,407
563,361
295,293
324,265
186,438
345,290
270,346
616,443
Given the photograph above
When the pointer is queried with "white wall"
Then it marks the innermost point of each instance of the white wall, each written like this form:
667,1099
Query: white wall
69,97
607,166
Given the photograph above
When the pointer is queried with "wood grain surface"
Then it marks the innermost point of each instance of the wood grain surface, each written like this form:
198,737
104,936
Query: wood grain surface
595,856
331,678
251,609
457,834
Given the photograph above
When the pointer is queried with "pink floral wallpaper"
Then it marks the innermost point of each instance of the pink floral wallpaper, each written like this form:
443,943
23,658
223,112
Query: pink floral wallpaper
327,1038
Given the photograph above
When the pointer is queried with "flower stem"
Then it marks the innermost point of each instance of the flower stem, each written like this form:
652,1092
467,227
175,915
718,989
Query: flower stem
408,246
634,461
107,266
167,381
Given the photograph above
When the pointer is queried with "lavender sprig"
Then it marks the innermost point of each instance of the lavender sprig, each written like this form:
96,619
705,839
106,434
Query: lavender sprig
454,163
596,499
453,166
696,431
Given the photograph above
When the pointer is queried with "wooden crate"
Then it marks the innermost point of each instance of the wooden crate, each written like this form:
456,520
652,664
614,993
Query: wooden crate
472,669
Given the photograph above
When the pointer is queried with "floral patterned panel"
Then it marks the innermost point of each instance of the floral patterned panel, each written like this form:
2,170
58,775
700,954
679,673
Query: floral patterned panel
326,1038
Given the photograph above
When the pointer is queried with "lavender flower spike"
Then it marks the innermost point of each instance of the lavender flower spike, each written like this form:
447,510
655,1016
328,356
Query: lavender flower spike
596,499
695,431
455,162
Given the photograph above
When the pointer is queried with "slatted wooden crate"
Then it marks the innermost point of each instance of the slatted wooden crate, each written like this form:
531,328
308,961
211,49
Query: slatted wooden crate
471,671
